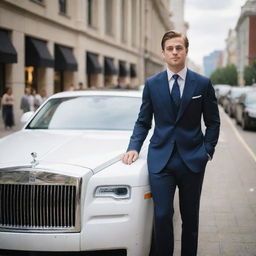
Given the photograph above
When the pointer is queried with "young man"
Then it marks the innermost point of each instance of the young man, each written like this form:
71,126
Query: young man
178,150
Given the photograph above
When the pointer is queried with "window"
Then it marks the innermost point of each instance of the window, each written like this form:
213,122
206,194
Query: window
92,13
38,1
31,77
63,6
109,17
58,81
123,21
88,113
134,21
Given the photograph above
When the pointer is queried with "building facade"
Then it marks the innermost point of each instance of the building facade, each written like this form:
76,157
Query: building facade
211,62
230,52
55,44
246,38
177,16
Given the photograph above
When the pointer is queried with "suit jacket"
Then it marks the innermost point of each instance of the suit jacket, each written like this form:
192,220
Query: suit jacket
183,129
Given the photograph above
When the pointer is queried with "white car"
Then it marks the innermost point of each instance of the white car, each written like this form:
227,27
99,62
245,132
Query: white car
63,186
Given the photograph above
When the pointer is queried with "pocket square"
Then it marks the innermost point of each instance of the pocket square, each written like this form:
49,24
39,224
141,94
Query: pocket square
195,97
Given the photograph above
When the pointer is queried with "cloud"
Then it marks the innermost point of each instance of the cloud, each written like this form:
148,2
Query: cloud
209,22
211,5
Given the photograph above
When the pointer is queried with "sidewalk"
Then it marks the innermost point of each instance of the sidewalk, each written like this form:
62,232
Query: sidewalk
228,202
4,132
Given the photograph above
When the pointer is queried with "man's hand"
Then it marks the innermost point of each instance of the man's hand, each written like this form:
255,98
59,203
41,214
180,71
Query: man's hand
130,157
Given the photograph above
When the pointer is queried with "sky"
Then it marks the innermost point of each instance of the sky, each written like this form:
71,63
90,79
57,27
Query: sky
209,22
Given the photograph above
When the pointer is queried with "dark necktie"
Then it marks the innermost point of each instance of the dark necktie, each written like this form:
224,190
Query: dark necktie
176,91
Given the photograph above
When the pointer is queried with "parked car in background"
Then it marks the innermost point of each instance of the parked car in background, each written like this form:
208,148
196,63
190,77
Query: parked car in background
63,187
221,90
230,100
246,110
141,87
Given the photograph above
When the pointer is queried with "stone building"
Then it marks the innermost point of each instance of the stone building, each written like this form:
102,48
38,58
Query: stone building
177,16
55,44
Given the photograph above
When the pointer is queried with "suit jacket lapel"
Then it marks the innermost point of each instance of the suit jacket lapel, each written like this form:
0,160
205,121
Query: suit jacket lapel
188,92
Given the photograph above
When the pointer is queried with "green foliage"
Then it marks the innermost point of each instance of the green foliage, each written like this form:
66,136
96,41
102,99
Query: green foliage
250,74
227,75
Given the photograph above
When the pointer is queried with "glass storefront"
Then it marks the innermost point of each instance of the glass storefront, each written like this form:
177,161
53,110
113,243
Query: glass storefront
58,81
31,77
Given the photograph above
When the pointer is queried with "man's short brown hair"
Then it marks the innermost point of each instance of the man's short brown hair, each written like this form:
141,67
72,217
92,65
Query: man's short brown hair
172,34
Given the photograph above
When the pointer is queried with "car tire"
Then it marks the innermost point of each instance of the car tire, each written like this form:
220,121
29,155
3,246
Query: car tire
244,123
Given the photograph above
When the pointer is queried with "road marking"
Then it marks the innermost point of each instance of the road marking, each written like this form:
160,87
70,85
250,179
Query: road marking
249,150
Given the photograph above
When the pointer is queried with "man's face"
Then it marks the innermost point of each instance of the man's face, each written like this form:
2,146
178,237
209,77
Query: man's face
175,53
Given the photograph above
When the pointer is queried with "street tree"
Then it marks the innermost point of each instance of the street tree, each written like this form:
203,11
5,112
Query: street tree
250,74
226,75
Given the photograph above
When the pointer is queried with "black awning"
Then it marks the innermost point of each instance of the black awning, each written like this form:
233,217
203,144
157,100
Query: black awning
37,53
8,53
109,67
122,69
92,64
133,72
64,59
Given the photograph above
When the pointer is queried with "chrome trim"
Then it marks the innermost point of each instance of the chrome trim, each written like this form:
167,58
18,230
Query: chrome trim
36,200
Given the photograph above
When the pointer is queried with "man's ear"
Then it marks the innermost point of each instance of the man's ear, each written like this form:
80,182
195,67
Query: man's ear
163,54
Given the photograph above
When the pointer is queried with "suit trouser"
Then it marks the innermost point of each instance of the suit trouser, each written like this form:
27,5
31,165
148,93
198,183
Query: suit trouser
163,186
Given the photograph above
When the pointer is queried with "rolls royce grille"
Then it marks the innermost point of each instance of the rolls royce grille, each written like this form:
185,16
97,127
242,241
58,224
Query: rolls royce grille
38,207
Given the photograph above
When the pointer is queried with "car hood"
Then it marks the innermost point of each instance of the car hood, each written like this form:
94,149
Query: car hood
91,149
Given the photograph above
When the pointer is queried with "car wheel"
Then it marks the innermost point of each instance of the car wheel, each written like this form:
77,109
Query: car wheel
244,123
228,111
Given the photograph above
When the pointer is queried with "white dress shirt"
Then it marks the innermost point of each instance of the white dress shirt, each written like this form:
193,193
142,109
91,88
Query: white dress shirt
181,80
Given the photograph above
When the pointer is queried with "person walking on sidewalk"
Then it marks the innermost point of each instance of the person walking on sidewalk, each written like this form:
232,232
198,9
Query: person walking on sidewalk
178,151
25,103
7,109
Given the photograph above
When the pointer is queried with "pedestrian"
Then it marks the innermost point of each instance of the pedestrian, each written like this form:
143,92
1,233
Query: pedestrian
118,86
80,86
43,95
25,103
7,109
71,87
178,151
39,98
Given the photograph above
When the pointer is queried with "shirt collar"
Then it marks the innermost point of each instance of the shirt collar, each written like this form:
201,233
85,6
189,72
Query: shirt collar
182,73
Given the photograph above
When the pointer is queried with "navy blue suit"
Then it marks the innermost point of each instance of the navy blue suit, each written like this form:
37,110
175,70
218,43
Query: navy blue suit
178,151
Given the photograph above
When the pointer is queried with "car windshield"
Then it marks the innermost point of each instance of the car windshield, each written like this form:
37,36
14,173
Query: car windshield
88,112
250,98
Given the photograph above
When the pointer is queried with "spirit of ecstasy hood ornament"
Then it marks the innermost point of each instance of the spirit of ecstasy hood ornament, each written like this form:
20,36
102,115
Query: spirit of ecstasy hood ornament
34,162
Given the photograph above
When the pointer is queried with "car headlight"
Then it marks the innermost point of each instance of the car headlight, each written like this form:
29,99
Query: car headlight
252,114
117,192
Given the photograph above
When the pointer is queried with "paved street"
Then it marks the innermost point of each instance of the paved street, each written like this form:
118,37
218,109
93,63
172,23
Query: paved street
228,205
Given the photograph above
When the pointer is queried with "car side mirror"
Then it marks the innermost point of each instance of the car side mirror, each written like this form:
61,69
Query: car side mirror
26,116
